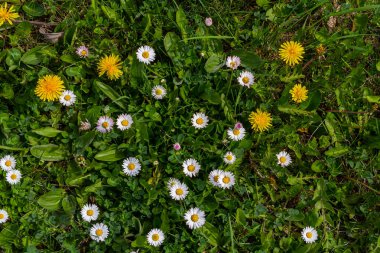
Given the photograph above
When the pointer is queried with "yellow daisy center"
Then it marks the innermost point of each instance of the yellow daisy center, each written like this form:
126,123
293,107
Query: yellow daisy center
155,237
1,216
194,217
13,176
131,166
8,163
84,52
111,66
199,121
90,212
236,131
232,64
282,159
124,122
99,232
245,79
67,97
229,157
309,235
191,168
158,91
260,121
49,87
216,178
179,191
145,54
105,124
226,180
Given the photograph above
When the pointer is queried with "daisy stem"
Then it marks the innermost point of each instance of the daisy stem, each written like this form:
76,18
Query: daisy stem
229,84
238,98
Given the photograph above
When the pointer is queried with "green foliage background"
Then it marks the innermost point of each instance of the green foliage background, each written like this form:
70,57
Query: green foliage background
333,137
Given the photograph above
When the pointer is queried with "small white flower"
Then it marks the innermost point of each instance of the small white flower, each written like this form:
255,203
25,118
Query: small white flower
229,158
146,54
85,125
284,158
67,98
13,176
214,177
82,51
3,216
199,120
124,121
89,212
246,78
8,162
236,134
233,62
131,166
226,180
195,218
309,235
99,232
105,124
155,237
179,191
191,167
171,182
208,21
158,92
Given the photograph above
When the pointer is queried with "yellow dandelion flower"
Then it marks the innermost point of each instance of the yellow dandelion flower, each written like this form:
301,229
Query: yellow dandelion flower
110,65
260,120
49,87
291,52
7,14
299,93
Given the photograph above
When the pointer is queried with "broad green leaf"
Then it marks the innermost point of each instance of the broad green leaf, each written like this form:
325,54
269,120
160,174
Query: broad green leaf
69,204
294,215
211,233
34,9
240,217
293,109
111,93
313,101
109,12
49,152
47,131
140,242
109,155
317,166
373,99
94,188
338,151
75,72
51,200
8,235
82,142
31,58
182,22
172,45
214,63
6,91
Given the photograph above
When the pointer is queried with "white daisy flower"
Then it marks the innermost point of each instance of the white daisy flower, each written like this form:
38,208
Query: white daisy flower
171,182
199,120
309,234
82,51
226,180
229,158
90,212
179,191
67,98
8,162
284,158
214,177
195,218
236,134
13,176
155,237
146,54
99,232
85,125
124,121
246,78
191,167
233,62
3,216
105,124
158,92
131,166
